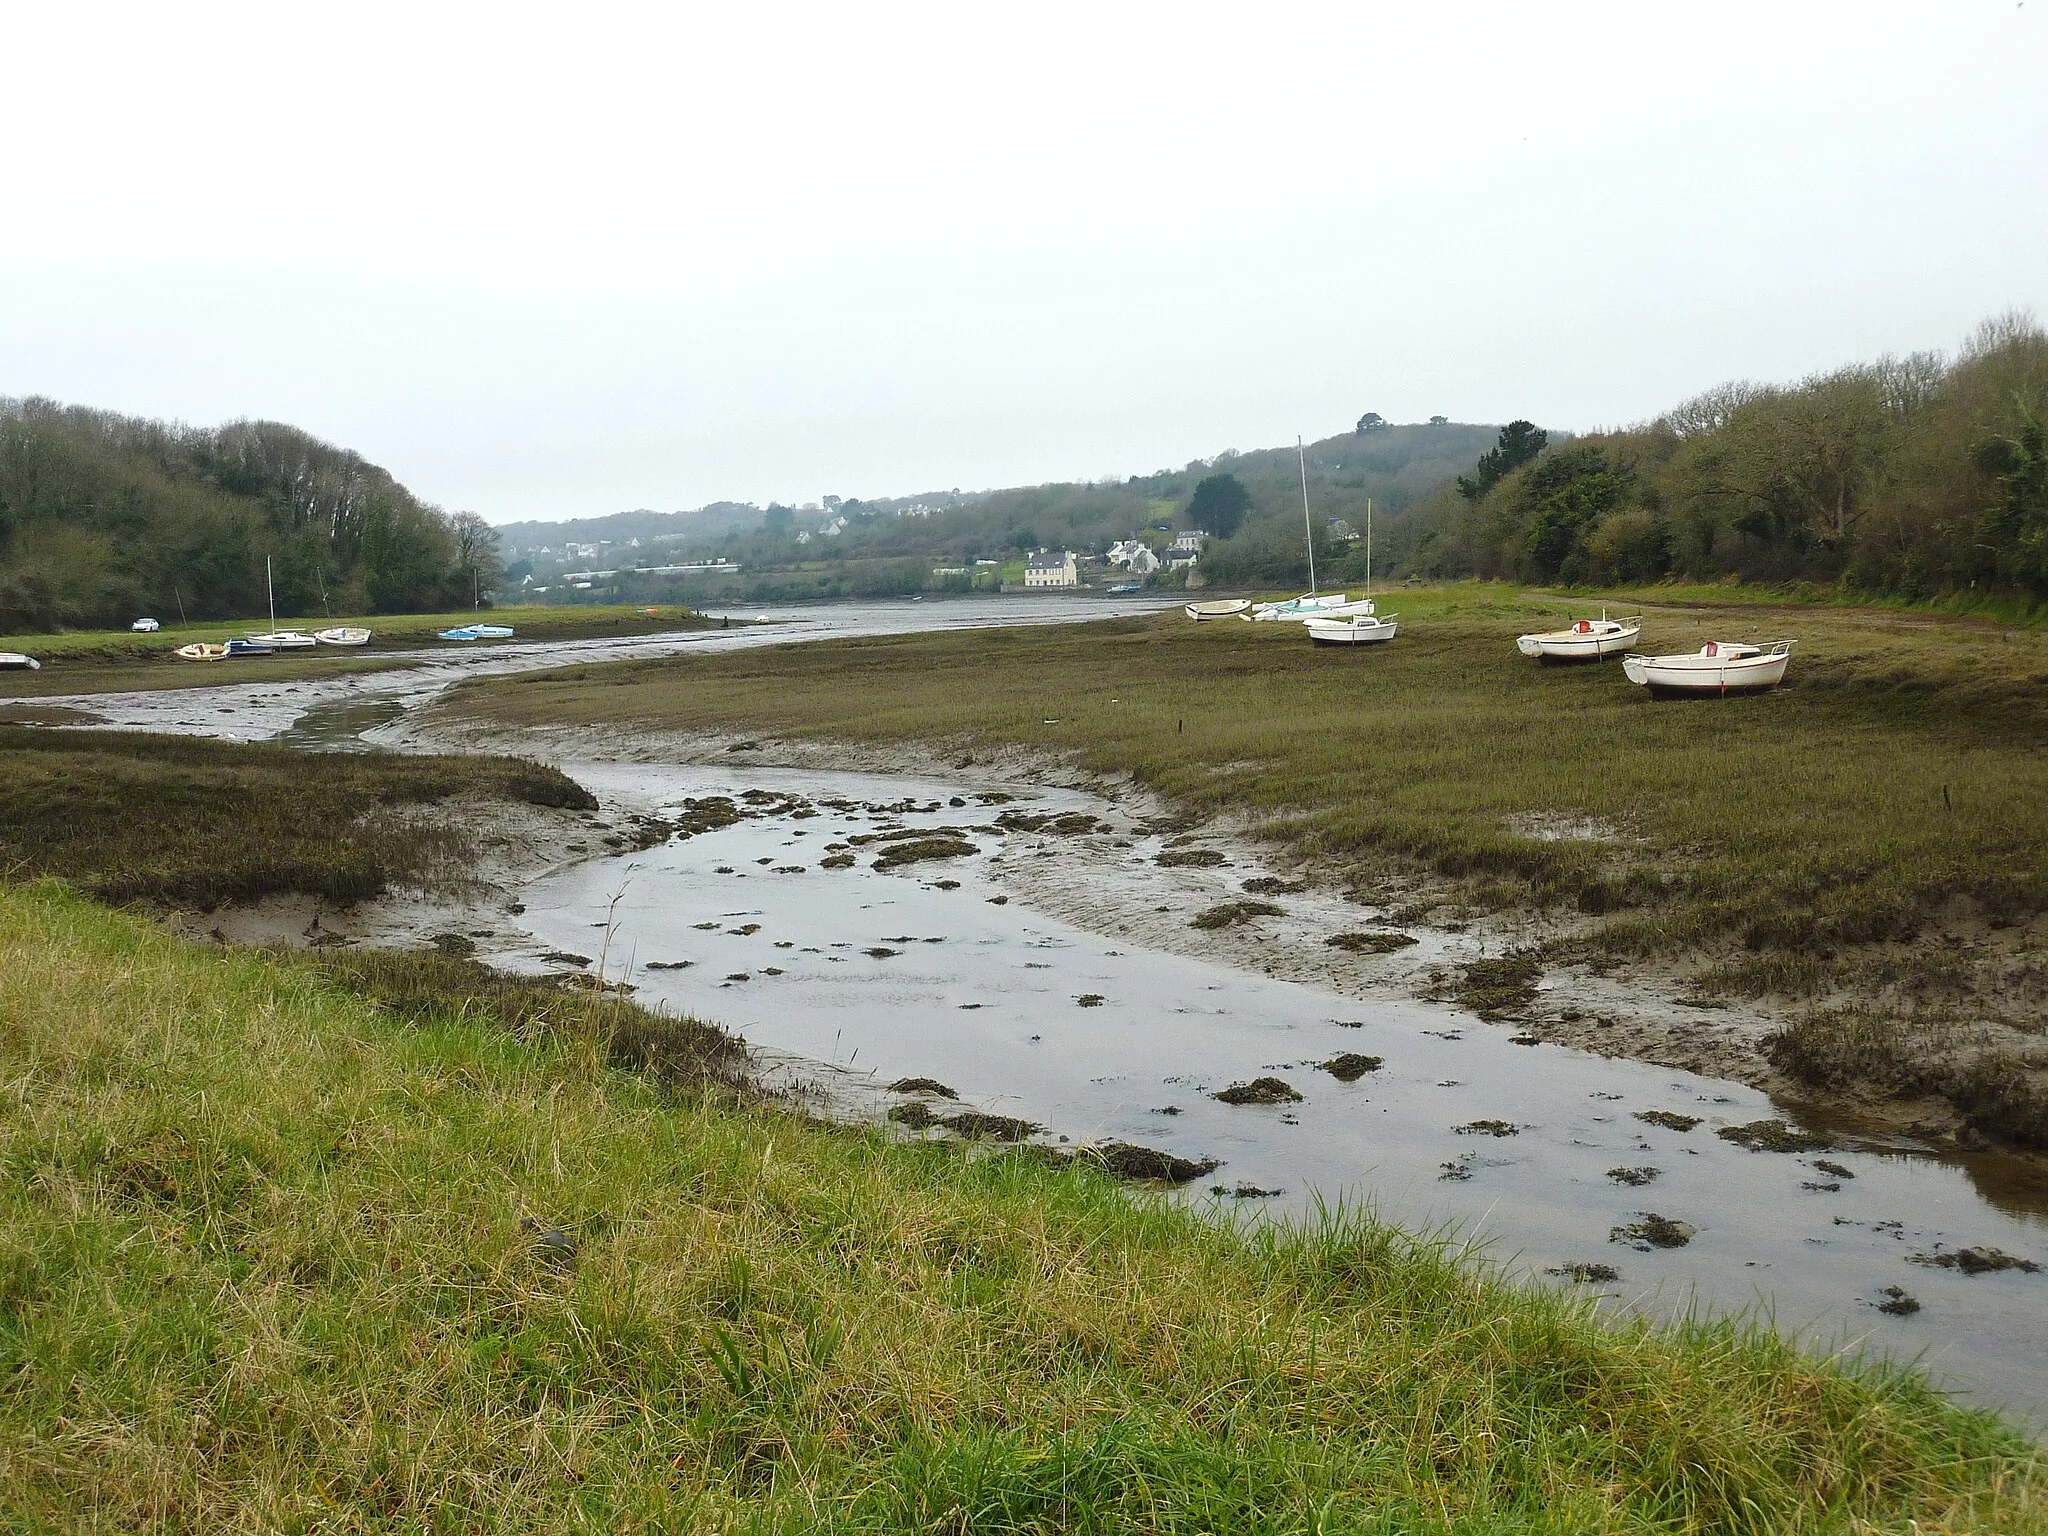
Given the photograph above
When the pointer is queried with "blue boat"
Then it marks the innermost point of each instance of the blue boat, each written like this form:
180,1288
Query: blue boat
478,632
249,648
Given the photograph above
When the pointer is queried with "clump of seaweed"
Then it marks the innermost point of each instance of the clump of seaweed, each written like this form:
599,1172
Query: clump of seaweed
1260,1090
1654,1231
1371,943
1232,914
1774,1136
1670,1119
1350,1066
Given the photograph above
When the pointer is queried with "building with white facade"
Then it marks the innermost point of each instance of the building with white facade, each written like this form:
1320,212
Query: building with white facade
1046,569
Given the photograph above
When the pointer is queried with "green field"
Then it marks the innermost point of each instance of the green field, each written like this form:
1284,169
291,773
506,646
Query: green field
276,1256
1873,831
112,661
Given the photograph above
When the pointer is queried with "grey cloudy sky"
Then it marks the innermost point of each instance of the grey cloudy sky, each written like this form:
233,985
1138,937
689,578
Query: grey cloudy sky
549,261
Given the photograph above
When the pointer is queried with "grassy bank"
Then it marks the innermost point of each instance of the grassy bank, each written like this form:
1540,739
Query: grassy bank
194,822
1875,828
273,1257
110,661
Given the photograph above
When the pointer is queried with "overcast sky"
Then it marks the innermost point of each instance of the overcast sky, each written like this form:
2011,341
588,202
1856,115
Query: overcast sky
565,260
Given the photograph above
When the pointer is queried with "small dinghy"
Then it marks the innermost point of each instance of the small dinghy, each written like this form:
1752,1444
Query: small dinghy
248,647
1718,667
284,640
1587,640
1222,608
477,632
14,661
1358,629
201,650
343,634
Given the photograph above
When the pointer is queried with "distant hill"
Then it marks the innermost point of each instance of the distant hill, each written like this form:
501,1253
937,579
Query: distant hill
895,543
708,522
106,518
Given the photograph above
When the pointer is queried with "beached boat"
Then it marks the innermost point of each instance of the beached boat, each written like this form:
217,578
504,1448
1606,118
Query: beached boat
285,640
1587,640
1357,629
1295,609
343,634
1221,608
201,650
1718,667
14,661
251,646
477,632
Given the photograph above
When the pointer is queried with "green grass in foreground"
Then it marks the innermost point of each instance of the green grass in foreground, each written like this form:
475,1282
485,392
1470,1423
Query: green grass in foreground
271,1259
130,816
1892,801
111,661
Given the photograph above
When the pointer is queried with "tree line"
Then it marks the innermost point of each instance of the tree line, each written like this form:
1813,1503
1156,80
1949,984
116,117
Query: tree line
105,518
1911,477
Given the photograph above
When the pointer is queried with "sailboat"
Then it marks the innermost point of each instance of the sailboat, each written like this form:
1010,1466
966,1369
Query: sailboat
1356,624
1311,603
279,639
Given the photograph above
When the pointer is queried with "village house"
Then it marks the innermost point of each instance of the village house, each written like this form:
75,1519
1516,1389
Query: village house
1046,569
1189,542
1134,556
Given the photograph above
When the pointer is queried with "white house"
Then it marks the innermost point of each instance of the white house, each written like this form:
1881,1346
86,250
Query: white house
1045,569
1133,555
1190,541
1177,557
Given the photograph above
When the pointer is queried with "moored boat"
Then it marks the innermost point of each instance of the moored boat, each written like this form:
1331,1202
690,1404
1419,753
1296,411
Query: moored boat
1718,667
1356,629
14,661
1221,608
1311,605
284,640
201,650
343,634
251,646
1587,640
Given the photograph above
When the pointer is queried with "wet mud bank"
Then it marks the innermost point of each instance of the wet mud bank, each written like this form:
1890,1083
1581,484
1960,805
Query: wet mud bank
1011,951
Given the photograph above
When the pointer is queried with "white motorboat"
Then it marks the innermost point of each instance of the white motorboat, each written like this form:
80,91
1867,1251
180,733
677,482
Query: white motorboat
1587,640
14,661
284,640
1221,608
1295,609
1358,629
343,634
1718,667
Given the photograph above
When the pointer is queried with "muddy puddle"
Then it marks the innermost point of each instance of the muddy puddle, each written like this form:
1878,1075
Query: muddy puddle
770,916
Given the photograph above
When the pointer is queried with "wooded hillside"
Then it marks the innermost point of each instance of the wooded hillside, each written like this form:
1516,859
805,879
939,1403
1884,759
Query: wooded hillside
1909,477
105,518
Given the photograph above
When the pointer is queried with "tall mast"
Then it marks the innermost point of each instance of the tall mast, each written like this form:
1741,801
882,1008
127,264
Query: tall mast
1307,527
1368,546
273,594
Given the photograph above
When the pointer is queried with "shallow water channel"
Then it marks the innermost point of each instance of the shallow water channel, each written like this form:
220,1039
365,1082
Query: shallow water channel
889,974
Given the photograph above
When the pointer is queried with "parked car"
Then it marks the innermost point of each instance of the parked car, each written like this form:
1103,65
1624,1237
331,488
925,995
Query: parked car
145,626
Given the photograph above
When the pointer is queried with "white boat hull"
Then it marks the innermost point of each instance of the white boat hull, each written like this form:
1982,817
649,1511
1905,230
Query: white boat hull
14,661
1709,672
1594,644
1288,614
284,640
346,634
1361,629
1222,608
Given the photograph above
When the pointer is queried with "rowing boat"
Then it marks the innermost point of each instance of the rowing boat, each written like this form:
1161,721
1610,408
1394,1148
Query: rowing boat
1221,608
343,634
1357,629
201,650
